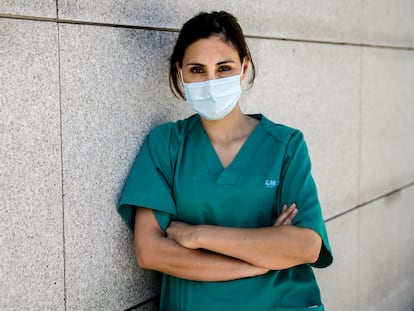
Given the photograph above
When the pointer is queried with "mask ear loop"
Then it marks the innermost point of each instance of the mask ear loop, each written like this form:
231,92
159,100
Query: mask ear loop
242,66
181,76
241,72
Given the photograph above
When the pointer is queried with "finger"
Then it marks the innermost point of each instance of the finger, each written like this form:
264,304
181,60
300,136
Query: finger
291,211
292,207
281,218
287,216
288,211
291,216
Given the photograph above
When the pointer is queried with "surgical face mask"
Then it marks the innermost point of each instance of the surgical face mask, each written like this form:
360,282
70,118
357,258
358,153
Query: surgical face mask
214,99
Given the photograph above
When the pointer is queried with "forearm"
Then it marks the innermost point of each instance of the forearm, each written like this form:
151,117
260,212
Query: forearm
271,247
156,252
168,257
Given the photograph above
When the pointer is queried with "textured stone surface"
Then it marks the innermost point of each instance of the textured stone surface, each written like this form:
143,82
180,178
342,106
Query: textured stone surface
314,87
389,22
387,148
31,239
323,20
39,8
354,105
386,252
373,250
339,282
114,89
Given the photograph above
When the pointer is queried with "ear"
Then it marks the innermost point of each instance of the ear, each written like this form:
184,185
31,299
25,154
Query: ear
245,68
179,72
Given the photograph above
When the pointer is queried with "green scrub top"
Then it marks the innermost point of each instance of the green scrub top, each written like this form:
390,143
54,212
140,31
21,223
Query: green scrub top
178,175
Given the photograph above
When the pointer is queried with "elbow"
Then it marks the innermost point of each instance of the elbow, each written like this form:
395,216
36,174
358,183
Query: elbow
141,261
313,257
314,249
142,257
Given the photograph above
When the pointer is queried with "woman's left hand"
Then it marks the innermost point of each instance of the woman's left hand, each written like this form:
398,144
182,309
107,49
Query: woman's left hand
287,215
184,234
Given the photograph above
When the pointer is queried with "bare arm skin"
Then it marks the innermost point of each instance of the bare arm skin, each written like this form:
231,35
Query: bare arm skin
274,248
155,251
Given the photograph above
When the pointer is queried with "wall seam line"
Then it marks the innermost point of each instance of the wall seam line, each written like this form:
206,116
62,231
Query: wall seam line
175,30
61,163
380,197
360,122
361,78
327,42
143,303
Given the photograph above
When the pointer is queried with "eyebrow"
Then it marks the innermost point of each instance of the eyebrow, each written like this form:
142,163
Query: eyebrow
219,63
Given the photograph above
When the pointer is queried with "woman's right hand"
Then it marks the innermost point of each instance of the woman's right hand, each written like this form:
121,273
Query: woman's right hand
287,215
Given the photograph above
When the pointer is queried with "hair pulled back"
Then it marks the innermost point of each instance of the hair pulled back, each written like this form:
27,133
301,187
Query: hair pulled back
203,26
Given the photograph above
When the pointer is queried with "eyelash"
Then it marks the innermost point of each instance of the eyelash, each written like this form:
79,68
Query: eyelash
199,70
196,70
225,68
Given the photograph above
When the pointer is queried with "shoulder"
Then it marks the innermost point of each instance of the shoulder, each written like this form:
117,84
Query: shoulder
281,133
172,132
165,141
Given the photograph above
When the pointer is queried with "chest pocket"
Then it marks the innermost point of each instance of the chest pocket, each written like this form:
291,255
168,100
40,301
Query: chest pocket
267,210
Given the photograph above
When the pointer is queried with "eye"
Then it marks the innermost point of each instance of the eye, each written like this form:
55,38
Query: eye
196,70
224,68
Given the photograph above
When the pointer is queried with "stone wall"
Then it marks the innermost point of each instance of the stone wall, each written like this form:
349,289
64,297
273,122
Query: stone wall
82,82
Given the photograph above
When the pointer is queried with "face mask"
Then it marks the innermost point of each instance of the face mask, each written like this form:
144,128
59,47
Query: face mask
214,99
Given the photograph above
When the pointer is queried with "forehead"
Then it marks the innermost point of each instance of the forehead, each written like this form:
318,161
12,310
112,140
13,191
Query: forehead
213,48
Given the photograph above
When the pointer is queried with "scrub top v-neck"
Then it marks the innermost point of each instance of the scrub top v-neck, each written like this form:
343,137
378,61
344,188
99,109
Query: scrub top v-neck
178,175
229,174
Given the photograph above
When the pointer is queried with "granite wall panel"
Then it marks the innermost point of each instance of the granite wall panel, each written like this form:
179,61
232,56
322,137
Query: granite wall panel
386,251
387,127
31,228
389,23
38,8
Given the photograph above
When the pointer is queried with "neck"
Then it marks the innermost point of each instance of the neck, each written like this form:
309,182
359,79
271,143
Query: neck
234,126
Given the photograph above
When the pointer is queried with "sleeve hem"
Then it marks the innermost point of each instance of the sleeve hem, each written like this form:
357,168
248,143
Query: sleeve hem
325,258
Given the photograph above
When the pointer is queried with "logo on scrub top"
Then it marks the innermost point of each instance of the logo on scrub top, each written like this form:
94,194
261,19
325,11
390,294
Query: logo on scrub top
271,183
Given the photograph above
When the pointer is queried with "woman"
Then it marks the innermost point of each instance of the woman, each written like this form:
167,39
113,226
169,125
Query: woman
208,196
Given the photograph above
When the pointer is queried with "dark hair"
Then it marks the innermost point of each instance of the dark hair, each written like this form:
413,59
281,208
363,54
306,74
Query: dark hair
203,26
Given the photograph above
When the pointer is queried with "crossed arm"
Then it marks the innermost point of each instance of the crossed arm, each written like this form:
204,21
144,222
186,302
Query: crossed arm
213,253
